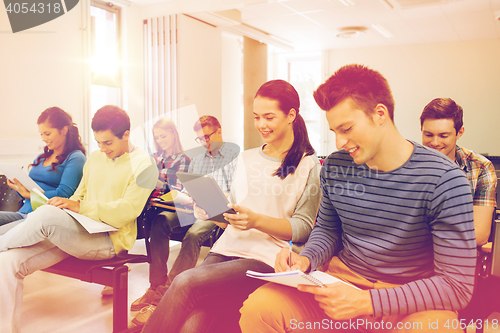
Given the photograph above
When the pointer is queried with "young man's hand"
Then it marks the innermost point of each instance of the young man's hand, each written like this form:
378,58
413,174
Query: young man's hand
341,301
298,262
74,206
189,201
199,213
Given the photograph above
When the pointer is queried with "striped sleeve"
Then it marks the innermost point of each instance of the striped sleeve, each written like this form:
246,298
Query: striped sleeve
412,227
452,229
325,237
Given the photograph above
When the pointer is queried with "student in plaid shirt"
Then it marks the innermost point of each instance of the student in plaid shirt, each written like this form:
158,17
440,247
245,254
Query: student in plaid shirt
441,123
169,156
218,161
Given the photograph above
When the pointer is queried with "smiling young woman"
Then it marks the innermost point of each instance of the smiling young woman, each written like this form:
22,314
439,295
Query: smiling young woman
58,169
276,194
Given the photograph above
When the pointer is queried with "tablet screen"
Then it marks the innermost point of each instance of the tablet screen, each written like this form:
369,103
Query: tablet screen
207,194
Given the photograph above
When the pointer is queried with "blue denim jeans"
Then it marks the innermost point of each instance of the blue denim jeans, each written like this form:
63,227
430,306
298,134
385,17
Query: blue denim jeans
198,296
163,225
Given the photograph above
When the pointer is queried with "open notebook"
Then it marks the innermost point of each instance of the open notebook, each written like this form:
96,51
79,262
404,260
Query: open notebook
294,278
92,226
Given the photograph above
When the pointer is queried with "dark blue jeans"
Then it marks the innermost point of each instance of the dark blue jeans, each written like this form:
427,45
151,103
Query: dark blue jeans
163,225
200,296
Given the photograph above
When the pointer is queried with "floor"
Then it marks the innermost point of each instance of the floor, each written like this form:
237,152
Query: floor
56,304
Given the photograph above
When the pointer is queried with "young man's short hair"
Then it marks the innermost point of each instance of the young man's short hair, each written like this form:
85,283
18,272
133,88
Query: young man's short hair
206,121
366,87
443,108
111,117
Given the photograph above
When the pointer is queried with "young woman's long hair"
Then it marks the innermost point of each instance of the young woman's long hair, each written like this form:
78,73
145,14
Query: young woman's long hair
58,118
288,99
168,125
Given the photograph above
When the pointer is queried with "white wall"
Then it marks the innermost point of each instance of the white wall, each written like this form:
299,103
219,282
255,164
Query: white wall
133,74
199,74
45,66
232,89
468,72
40,67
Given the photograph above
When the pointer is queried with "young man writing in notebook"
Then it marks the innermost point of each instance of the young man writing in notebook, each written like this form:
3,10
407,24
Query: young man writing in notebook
115,186
395,220
441,123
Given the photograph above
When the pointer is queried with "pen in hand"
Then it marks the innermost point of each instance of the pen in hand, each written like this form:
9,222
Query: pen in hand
290,254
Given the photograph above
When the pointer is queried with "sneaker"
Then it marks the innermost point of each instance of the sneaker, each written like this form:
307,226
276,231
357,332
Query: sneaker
143,316
143,301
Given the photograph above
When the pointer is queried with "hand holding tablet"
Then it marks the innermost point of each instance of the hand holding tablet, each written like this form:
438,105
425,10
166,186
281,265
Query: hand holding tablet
207,195
13,171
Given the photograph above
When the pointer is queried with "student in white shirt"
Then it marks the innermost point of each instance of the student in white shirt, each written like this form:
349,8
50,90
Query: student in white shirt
276,193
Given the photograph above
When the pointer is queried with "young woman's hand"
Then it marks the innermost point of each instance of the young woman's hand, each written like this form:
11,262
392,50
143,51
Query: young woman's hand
17,186
245,219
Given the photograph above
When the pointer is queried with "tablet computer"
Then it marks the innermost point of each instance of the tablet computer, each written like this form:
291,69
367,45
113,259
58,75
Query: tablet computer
207,194
12,171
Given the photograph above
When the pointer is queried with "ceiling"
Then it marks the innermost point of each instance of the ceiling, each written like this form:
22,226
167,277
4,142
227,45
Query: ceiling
314,24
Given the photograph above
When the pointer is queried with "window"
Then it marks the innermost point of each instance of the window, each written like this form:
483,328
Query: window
105,64
303,71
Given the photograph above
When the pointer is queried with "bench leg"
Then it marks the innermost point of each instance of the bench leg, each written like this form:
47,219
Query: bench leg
120,290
